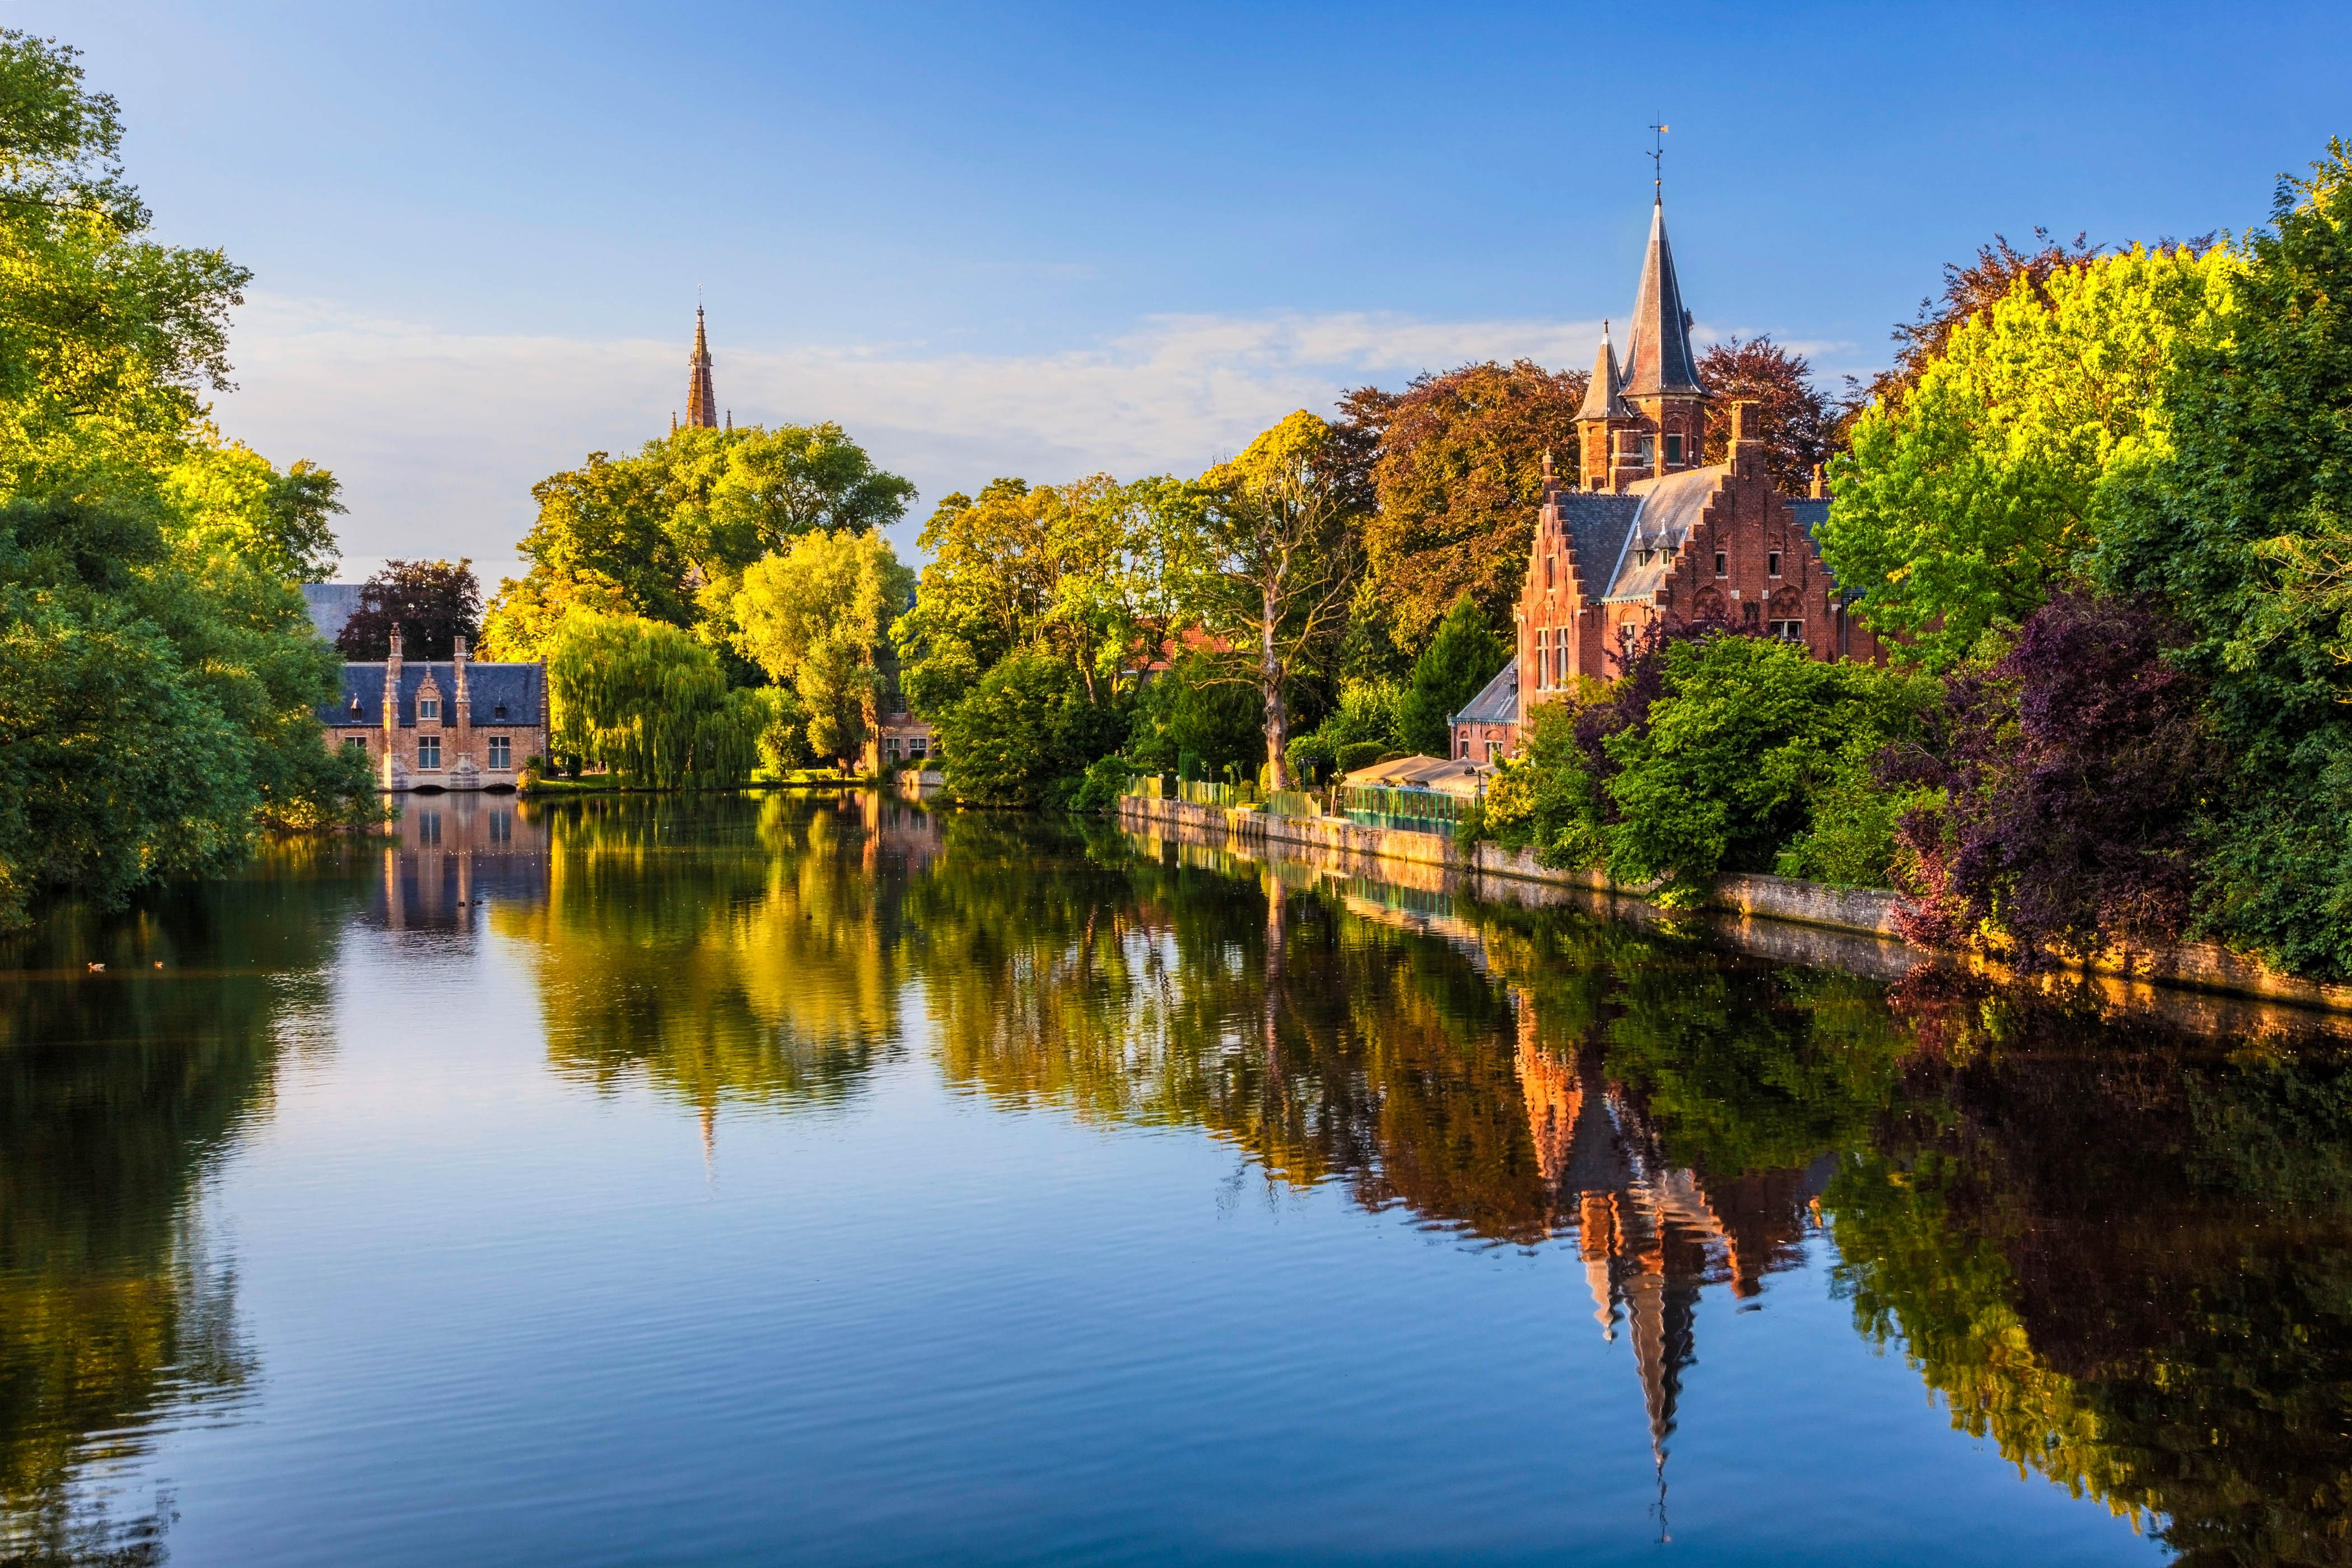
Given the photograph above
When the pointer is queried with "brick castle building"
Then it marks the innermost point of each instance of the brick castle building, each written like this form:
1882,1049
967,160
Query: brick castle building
1646,534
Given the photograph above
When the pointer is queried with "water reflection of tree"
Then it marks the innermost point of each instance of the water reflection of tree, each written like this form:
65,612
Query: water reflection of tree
116,1091
2130,1266
759,964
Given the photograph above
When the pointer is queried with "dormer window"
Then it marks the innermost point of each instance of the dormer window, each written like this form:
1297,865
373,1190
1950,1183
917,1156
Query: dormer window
428,706
500,711
356,707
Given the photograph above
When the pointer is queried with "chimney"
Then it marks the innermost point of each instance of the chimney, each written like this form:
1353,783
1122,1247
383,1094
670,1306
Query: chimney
1743,420
1821,490
392,684
463,699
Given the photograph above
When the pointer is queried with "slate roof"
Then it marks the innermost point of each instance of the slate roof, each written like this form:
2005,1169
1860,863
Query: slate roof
515,687
1497,701
1658,353
1669,510
1596,522
1810,514
1602,394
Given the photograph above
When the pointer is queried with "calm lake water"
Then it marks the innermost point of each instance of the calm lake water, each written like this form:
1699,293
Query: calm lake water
769,1181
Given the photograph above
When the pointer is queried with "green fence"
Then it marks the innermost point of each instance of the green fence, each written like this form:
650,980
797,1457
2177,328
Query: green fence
1218,794
1410,810
1292,802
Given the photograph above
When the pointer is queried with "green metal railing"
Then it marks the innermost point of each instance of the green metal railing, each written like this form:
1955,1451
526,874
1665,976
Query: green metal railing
1409,810
1225,795
1292,802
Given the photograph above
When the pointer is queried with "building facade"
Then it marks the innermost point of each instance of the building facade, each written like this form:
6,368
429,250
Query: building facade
448,724
1647,534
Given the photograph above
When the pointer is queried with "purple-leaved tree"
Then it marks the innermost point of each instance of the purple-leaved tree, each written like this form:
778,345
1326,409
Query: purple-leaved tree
2073,768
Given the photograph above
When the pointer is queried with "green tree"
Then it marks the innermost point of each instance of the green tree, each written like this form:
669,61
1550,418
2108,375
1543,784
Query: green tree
1748,736
1459,663
647,702
1962,502
1276,564
158,700
1024,735
106,338
227,499
817,619
2242,528
667,533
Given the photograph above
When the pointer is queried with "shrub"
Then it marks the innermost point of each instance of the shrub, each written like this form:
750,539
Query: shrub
2073,767
1025,734
1747,735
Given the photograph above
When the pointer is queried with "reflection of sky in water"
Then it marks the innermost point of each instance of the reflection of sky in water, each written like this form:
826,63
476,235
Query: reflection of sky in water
665,1180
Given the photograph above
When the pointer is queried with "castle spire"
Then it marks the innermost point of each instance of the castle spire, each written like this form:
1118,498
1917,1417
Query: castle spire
1658,360
1603,396
701,401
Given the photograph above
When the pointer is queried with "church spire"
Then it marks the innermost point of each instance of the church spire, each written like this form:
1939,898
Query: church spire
1658,360
701,401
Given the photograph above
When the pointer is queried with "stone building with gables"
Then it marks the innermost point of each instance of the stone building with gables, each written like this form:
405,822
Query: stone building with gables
452,724
1647,533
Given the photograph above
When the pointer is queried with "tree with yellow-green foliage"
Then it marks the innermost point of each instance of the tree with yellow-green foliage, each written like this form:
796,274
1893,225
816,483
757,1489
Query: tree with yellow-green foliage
668,533
1964,499
646,700
1276,566
816,618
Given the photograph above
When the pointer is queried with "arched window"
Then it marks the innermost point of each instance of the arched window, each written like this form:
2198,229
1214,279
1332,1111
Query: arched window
1543,656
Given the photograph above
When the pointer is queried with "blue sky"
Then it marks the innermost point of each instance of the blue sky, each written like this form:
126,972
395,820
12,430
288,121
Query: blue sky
1048,240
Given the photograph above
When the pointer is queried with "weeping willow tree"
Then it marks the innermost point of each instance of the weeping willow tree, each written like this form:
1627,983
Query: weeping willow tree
646,700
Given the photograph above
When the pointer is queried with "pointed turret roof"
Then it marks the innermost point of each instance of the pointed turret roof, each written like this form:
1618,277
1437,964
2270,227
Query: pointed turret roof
701,401
1658,360
1602,398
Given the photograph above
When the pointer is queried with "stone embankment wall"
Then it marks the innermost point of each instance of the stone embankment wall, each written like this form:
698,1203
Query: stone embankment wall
1746,905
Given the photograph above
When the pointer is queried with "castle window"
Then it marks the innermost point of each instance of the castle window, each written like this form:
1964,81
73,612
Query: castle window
1494,752
500,711
1788,631
501,751
916,745
1772,564
1674,452
1543,652
1646,448
1722,564
428,751
355,744
428,706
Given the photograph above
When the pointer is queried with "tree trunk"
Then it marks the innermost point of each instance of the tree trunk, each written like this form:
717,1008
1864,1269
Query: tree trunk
1277,720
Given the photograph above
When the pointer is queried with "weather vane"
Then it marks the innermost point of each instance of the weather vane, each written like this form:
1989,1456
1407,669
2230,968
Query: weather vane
1657,156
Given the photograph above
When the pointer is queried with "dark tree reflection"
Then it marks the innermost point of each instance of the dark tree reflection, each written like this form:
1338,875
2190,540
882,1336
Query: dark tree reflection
117,1087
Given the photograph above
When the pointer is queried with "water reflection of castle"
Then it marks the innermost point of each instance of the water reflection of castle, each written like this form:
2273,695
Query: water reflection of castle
1651,1236
447,856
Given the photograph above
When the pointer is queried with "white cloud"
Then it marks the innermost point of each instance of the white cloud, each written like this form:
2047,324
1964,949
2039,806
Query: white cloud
438,436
